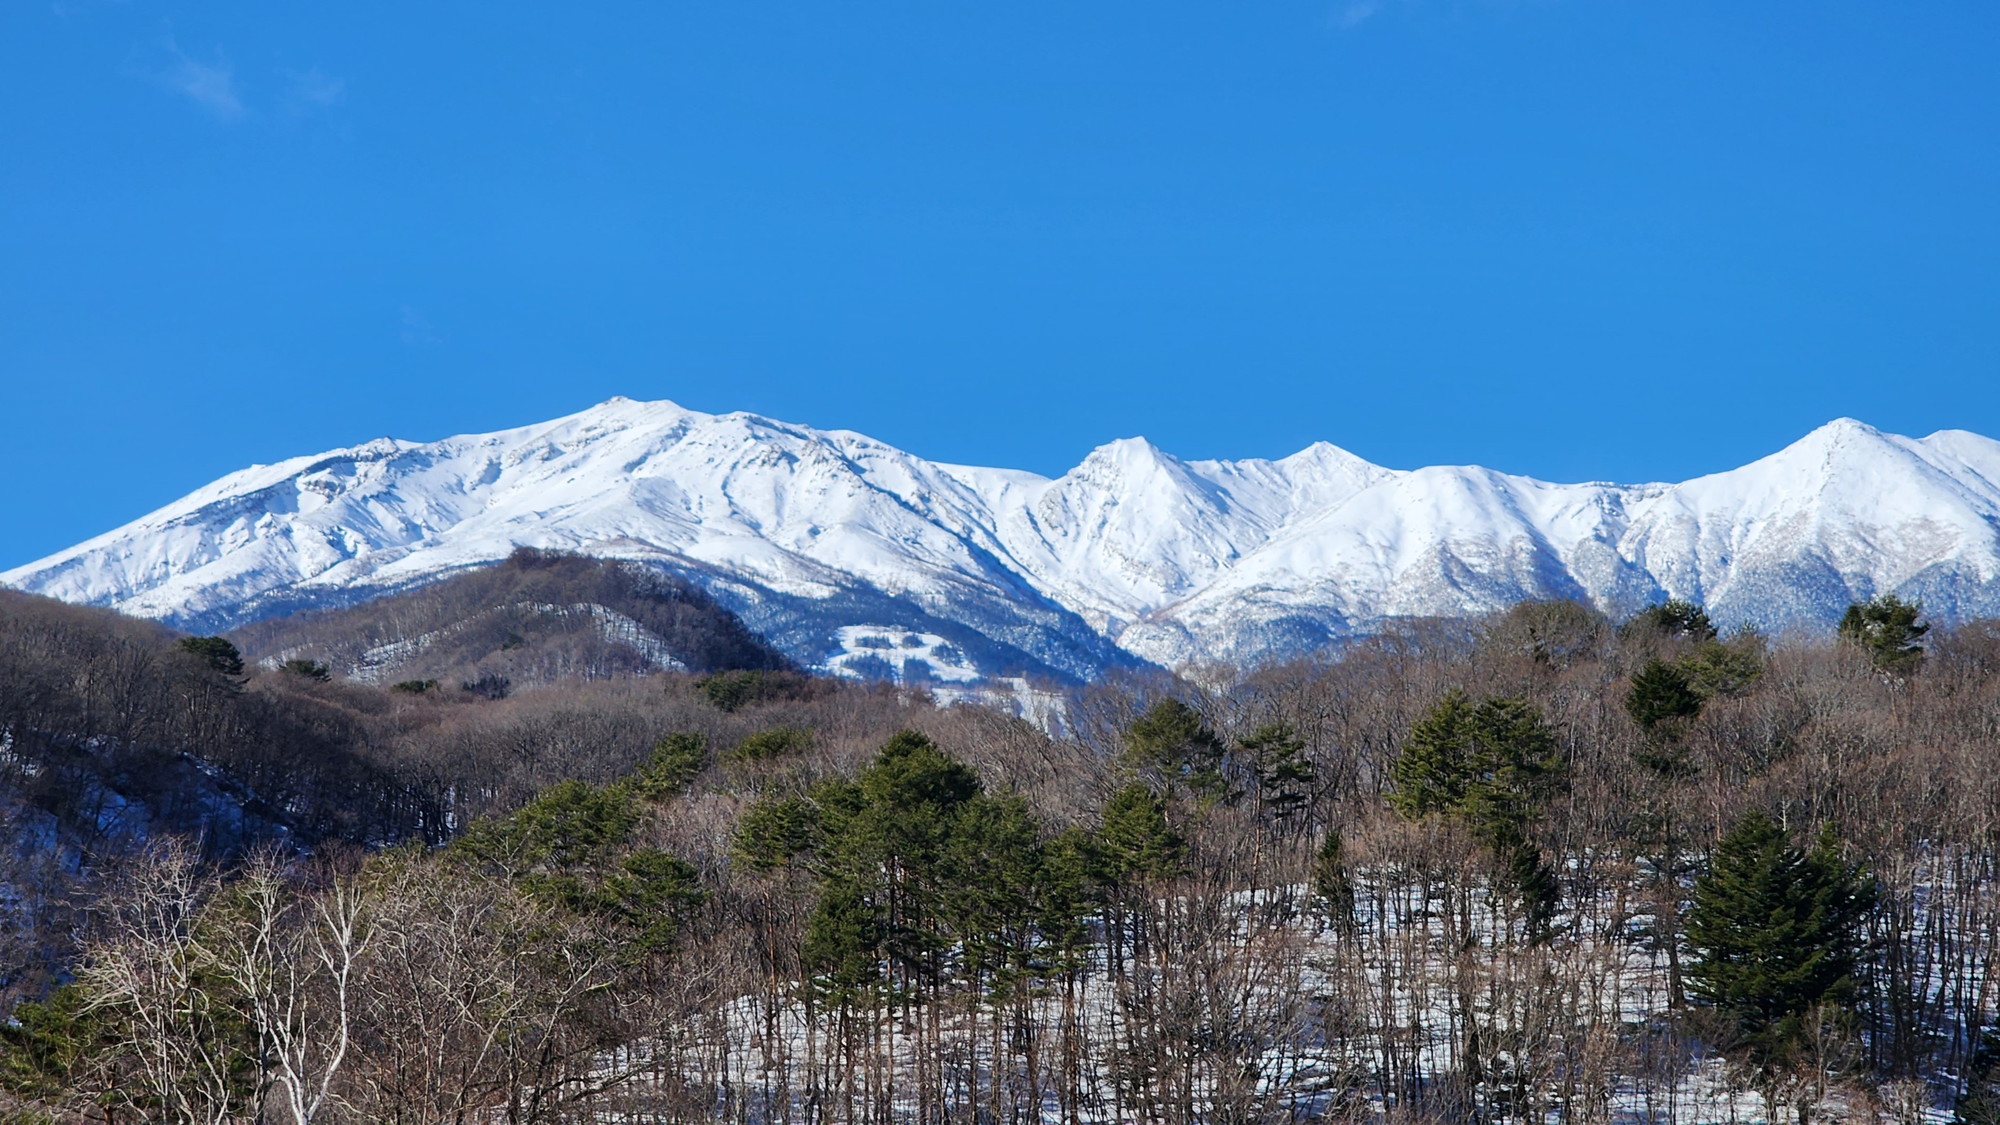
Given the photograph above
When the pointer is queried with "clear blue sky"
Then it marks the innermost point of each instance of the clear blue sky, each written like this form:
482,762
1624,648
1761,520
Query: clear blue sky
1571,238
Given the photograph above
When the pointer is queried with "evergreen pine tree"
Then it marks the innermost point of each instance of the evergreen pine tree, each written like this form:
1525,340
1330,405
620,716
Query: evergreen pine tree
676,761
1716,668
1172,742
1431,772
1675,617
1514,768
842,946
775,831
1332,883
216,652
1888,629
1072,879
1776,932
1661,693
1536,882
306,669
1284,774
1137,841
1491,766
993,889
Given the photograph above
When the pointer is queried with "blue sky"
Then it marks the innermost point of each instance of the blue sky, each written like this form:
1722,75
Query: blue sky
1572,238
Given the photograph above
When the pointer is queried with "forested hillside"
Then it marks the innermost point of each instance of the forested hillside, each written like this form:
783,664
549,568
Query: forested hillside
1533,868
116,731
535,618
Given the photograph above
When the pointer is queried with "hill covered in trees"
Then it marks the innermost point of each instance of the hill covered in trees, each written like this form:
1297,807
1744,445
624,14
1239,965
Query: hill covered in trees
116,731
535,618
1530,868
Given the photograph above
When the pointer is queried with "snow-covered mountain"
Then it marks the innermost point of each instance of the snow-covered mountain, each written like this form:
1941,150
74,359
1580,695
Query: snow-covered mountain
828,540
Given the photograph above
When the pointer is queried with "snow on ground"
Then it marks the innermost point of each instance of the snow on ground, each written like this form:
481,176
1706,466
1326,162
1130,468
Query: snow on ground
886,652
1299,979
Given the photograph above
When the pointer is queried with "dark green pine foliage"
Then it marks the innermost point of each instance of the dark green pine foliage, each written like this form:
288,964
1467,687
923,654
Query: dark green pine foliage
994,886
774,832
47,1047
922,877
735,690
1888,629
887,853
676,761
1775,932
843,942
1172,743
1535,879
1137,842
1717,669
1661,693
910,800
1285,776
574,848
1491,765
1663,700
216,652
1435,765
1073,880
1332,882
771,743
1675,618
306,669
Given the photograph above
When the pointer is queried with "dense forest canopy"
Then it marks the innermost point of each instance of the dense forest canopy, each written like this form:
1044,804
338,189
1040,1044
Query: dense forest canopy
1544,865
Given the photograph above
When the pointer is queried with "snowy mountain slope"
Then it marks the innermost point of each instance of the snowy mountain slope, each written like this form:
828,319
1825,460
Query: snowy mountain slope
814,536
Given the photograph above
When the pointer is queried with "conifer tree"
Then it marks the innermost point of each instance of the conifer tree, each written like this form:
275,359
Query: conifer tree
1675,617
1435,765
216,652
993,889
1776,932
1138,842
1172,742
1661,693
1072,884
842,945
1888,629
1491,766
676,761
1285,775
1716,668
1332,883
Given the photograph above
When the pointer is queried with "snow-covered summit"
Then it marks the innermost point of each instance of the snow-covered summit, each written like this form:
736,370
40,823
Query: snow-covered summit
813,534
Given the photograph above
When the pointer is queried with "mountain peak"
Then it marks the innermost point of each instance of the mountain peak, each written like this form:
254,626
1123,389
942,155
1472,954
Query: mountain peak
1128,450
631,411
813,532
1845,430
1845,442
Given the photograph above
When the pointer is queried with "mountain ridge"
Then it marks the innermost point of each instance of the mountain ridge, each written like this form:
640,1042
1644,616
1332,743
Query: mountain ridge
1133,556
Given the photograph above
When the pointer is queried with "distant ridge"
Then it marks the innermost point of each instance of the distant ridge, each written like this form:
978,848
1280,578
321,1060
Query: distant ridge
534,618
848,553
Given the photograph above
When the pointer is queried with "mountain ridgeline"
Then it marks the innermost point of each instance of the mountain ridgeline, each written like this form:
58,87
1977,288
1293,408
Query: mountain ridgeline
828,542
536,617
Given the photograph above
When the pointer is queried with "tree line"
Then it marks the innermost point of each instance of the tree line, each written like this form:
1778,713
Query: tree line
1537,866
